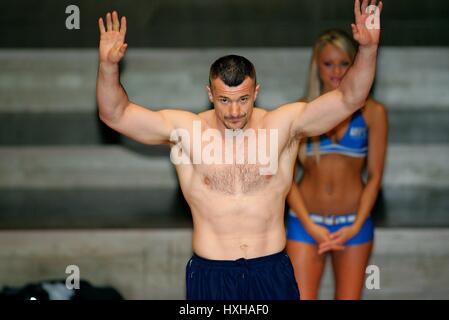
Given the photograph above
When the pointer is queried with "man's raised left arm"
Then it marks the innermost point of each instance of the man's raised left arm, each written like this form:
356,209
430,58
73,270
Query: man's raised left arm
327,111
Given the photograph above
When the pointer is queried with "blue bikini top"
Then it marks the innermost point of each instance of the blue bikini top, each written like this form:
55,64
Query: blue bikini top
354,142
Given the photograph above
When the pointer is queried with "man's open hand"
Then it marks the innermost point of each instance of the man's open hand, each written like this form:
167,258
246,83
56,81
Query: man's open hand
366,29
112,40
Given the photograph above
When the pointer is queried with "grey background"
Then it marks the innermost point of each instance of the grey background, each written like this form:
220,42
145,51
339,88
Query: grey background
217,23
74,192
48,112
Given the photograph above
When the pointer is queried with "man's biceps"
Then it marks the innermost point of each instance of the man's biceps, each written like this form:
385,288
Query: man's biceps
173,114
298,122
303,126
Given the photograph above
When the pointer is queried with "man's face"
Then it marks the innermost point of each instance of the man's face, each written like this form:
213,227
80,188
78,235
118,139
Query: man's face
233,105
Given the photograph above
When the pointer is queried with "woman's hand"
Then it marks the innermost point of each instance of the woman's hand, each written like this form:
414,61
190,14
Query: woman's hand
344,234
319,233
337,239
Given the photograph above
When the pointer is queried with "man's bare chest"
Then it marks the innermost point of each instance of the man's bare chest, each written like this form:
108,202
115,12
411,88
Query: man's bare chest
234,179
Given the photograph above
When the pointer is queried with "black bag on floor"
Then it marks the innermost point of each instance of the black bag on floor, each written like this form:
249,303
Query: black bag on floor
57,290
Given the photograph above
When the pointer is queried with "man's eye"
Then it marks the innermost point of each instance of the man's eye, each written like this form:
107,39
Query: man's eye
223,100
327,64
244,99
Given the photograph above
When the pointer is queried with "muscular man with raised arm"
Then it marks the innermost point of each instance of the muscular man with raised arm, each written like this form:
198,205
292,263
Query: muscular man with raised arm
236,197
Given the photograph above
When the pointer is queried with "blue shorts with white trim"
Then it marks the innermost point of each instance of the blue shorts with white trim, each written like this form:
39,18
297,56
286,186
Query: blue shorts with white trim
297,232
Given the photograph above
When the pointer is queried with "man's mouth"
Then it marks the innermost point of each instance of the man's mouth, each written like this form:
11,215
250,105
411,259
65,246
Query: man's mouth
235,120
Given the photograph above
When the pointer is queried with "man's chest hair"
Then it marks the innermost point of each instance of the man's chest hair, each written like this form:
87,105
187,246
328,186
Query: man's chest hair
235,179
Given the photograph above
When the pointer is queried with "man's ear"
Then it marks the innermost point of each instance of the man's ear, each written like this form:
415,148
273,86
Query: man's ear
209,93
256,91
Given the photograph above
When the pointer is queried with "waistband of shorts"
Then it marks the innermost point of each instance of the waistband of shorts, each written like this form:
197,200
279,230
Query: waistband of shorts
330,220
242,262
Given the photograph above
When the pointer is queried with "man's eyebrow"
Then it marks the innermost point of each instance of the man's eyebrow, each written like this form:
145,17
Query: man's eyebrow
244,96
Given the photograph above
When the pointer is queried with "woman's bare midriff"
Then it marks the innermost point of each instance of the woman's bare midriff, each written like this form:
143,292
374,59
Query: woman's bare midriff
334,186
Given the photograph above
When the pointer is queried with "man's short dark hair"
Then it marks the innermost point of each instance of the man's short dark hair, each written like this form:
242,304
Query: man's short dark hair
232,70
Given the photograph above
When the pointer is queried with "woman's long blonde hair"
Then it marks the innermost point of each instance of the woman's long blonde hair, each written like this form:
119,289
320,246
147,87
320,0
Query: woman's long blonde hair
340,40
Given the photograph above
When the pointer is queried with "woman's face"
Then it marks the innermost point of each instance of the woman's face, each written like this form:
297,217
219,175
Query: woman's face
333,64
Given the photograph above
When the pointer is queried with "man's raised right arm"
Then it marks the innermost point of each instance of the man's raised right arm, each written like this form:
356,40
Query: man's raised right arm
115,109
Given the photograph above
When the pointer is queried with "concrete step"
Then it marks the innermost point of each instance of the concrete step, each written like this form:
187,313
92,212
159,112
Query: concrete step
411,126
84,208
84,166
104,187
410,262
64,80
150,264
113,166
148,208
88,187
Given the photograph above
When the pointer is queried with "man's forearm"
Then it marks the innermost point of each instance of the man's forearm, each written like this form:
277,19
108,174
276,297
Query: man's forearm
356,84
111,97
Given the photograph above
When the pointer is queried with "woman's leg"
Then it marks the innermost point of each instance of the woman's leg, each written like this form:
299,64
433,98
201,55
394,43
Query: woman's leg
308,266
349,270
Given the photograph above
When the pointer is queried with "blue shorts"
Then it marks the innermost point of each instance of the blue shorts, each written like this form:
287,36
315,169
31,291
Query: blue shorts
264,278
297,232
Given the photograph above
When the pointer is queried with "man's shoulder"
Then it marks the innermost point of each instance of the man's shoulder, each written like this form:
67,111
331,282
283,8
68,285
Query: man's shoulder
260,112
207,115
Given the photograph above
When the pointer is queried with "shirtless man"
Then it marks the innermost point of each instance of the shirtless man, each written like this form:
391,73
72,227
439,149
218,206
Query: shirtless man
238,206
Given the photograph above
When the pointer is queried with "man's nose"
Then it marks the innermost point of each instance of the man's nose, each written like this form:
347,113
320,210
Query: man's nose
235,110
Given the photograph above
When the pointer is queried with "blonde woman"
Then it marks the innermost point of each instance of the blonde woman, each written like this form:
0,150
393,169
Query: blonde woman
330,205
